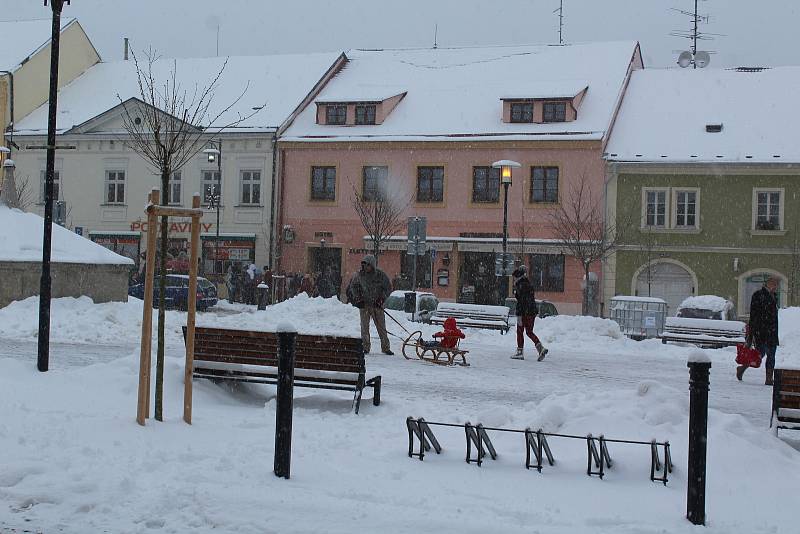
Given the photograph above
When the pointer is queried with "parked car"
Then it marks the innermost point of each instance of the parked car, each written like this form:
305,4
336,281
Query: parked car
177,292
426,305
546,308
706,307
705,321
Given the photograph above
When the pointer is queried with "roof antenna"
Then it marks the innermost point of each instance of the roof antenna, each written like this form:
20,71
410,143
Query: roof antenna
217,39
694,57
560,12
435,36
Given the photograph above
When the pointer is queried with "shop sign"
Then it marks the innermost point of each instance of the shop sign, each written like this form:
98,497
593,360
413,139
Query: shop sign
174,227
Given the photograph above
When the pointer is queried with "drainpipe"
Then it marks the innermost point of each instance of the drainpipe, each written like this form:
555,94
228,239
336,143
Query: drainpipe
11,103
272,210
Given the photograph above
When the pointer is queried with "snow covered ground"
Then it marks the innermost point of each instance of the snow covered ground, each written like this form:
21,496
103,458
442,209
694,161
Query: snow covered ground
74,460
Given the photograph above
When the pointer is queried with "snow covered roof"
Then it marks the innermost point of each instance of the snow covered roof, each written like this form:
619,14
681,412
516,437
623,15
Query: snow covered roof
278,82
21,240
457,93
665,113
20,39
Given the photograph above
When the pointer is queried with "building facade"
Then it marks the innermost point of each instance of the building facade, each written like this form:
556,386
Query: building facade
424,127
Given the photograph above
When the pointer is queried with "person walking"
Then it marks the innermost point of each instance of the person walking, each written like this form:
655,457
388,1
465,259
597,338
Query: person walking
367,291
763,327
526,313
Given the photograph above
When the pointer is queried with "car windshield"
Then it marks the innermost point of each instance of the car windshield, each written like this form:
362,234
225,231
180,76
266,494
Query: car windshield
395,303
204,283
427,303
699,313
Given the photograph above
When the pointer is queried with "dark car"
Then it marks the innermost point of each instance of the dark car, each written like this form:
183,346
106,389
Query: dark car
545,308
177,292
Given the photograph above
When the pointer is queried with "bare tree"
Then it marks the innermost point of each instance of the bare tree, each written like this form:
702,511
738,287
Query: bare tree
581,228
167,124
647,247
382,215
24,193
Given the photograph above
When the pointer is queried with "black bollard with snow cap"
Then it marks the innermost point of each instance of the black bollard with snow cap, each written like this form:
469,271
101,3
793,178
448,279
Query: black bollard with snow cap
287,335
699,365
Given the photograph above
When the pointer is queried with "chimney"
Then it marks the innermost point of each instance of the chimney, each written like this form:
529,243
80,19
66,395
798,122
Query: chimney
125,55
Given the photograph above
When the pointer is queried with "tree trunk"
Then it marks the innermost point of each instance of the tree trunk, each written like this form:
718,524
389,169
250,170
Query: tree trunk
585,304
162,286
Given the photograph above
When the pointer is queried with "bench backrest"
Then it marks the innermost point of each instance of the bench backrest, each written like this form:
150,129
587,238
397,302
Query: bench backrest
787,388
322,353
453,309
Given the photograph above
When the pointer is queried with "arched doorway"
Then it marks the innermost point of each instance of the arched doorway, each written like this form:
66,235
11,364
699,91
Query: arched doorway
666,280
751,281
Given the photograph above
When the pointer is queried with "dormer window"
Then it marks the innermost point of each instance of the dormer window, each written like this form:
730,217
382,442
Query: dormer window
554,112
365,114
522,112
336,114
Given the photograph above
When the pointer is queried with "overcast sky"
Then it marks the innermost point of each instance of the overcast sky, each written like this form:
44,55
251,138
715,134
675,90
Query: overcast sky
756,32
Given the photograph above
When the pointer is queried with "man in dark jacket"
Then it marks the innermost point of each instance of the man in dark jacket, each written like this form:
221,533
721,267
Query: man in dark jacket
368,290
526,313
763,326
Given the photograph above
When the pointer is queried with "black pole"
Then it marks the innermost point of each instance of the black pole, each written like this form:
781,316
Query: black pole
283,404
505,237
219,201
698,441
45,285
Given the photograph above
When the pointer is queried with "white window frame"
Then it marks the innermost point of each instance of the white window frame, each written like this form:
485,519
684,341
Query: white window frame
667,206
116,182
213,181
243,182
176,178
756,190
674,200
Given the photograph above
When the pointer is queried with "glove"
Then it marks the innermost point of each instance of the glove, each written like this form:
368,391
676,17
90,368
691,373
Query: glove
379,303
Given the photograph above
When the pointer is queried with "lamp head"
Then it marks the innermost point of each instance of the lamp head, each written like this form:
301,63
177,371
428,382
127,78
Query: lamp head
505,166
212,154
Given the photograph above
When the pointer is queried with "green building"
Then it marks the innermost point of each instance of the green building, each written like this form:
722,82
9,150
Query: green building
703,185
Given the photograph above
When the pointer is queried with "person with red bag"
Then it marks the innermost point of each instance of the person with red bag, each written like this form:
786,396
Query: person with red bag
763,327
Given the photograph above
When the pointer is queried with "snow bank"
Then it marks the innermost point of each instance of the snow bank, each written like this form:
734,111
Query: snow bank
21,240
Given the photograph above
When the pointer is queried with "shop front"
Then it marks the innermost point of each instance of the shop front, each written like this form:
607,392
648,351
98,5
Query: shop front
231,249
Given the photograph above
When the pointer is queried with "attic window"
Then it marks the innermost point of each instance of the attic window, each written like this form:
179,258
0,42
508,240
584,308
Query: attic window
714,128
365,114
555,112
335,114
522,112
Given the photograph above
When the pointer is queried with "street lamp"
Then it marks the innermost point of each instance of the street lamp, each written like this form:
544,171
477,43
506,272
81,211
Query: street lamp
505,166
214,154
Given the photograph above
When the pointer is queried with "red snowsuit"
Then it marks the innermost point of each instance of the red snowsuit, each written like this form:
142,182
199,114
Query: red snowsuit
450,335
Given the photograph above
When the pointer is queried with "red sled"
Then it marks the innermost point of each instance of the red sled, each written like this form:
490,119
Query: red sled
747,356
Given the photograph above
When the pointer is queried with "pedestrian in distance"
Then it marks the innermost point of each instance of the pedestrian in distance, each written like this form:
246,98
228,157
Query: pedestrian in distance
763,327
367,291
526,313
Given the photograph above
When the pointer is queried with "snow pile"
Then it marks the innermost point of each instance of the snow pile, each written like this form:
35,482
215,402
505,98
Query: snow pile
788,354
21,240
706,302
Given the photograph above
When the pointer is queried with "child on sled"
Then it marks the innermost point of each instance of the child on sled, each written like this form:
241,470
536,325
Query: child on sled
447,338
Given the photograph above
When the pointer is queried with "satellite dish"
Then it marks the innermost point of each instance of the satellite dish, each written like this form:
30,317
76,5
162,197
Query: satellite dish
702,59
685,59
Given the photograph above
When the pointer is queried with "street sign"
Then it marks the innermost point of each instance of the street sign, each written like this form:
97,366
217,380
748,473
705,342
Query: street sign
416,249
498,264
417,229
433,254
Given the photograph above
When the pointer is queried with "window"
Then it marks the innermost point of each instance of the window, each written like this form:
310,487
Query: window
335,114
115,187
423,268
547,272
56,185
174,189
522,112
685,209
485,184
544,184
768,209
365,114
555,112
655,208
211,190
430,184
323,183
373,182
251,187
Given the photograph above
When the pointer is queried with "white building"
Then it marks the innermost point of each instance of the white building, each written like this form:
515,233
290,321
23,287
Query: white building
104,183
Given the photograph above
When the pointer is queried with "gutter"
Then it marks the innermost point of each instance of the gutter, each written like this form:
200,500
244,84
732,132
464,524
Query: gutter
272,210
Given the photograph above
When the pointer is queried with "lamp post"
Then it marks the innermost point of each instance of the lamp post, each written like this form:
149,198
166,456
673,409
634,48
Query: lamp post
214,154
505,167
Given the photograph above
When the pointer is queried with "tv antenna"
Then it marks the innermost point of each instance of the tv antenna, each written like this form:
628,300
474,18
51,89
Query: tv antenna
560,11
694,57
435,36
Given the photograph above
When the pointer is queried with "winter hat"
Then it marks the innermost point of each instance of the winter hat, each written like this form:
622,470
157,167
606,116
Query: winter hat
369,259
520,271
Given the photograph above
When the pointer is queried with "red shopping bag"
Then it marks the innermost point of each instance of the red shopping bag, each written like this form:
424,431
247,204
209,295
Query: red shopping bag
747,356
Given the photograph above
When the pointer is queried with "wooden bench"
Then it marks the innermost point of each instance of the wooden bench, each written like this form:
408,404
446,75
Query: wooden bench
473,315
709,333
786,399
323,362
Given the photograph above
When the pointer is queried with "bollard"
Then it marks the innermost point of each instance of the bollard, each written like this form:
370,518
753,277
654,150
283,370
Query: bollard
263,296
283,404
698,438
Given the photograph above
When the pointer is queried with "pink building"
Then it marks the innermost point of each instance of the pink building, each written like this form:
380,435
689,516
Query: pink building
424,126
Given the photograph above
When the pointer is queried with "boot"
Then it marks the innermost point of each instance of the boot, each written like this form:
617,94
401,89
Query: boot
518,355
541,350
740,372
770,372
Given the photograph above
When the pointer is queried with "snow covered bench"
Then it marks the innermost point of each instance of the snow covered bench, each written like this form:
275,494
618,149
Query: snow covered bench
324,362
786,399
472,315
703,332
